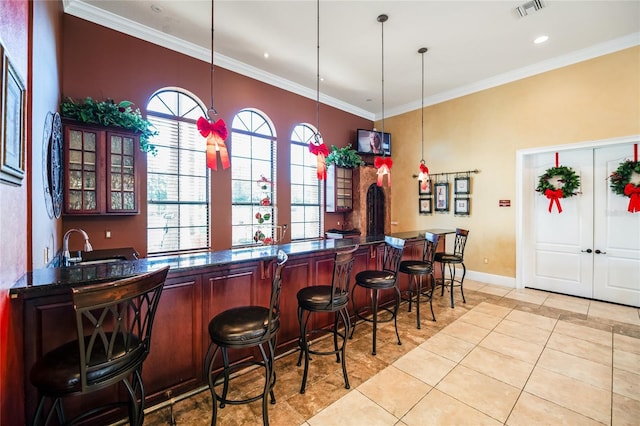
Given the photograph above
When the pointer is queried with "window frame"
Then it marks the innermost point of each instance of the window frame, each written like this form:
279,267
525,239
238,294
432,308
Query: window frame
252,127
181,206
301,135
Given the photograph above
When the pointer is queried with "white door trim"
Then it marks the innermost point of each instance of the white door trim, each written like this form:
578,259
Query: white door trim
521,208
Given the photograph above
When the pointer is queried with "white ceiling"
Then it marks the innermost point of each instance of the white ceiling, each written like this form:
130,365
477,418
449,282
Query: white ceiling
473,45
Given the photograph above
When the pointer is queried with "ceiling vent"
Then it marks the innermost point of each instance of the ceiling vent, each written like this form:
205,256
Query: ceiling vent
529,7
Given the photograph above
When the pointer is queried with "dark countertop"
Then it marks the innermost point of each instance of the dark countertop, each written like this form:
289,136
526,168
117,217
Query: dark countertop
58,280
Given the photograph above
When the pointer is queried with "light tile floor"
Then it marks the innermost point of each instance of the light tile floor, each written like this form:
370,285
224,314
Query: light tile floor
506,357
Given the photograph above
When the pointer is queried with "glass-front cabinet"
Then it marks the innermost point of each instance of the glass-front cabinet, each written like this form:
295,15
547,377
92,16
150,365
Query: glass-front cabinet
100,173
339,192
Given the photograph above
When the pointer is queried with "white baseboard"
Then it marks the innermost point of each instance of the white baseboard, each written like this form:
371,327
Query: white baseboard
482,277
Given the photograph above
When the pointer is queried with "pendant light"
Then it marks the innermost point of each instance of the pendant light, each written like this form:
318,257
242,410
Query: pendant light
215,131
423,175
384,163
316,145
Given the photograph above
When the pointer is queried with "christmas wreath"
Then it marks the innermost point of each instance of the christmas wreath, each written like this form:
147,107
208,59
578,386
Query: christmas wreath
622,185
570,184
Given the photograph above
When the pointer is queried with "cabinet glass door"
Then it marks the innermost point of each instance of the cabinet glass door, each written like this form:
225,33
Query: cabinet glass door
344,197
120,174
82,178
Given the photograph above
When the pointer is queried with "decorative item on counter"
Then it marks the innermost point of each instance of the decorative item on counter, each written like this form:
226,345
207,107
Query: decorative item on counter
110,114
263,183
558,182
626,181
215,131
383,164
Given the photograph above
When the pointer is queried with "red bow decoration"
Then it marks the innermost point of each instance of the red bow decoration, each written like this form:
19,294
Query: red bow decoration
633,192
554,196
383,164
321,151
216,133
425,172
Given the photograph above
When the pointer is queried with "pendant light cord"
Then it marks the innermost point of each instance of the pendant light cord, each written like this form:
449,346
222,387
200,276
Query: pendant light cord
382,19
212,110
422,51
317,68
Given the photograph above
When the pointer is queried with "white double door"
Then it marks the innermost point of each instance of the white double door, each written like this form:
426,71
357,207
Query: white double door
592,248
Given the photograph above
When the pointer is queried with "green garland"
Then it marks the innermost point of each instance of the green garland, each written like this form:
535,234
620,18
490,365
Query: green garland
108,113
569,178
621,177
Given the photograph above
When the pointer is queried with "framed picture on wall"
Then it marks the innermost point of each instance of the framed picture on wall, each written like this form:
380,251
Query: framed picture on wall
12,139
426,190
462,206
462,185
425,205
442,196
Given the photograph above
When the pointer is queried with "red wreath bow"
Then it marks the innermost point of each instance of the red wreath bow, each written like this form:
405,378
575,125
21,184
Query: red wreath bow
321,151
425,172
383,164
216,133
633,192
554,196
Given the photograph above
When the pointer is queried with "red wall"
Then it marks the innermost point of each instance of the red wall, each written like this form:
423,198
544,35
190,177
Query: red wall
102,63
13,228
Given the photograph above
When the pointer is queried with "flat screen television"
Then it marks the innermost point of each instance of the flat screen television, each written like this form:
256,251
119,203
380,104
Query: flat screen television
372,142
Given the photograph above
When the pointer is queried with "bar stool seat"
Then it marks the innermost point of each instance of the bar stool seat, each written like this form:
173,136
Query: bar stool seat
448,262
417,269
375,281
240,328
334,299
114,322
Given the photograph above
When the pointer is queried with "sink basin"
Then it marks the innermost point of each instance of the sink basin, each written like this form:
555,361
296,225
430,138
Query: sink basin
99,256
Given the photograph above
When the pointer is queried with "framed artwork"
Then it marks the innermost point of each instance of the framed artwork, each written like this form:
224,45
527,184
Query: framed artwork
462,185
12,107
427,190
442,196
425,205
462,206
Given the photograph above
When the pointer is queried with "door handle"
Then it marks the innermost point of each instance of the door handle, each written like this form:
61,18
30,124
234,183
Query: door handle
600,252
586,251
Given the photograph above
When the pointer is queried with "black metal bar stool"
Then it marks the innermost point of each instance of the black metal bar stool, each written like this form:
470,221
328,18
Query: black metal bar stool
114,322
246,327
379,280
417,270
327,298
450,260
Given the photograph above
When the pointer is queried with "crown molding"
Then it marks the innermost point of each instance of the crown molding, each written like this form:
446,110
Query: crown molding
585,54
115,22
107,19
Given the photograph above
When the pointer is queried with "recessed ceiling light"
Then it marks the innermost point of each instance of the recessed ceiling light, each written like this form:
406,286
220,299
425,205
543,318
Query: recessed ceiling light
266,55
156,8
541,39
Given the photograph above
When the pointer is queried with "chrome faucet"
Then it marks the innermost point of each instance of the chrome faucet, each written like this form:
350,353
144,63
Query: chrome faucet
66,256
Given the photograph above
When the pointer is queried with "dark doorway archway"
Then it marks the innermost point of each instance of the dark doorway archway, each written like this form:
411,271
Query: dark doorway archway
375,210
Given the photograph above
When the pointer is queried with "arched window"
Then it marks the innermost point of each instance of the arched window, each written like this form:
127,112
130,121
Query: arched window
177,178
306,189
253,179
